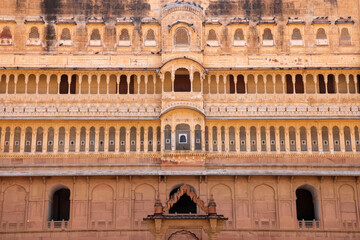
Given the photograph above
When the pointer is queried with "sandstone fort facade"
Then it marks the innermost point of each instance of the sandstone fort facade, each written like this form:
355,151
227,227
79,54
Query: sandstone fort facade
170,120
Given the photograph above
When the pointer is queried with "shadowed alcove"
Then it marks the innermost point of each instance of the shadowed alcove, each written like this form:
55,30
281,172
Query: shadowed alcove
60,205
184,205
182,81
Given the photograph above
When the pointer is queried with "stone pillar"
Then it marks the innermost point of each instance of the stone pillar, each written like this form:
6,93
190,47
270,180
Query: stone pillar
77,141
67,139
37,84
308,140
342,139
277,139
96,141
227,142
353,141
297,138
146,134
258,138
117,139
237,139
127,142
87,140
192,139
56,139
248,143
106,139
287,140
268,143
211,141
33,140
173,139
11,141
26,83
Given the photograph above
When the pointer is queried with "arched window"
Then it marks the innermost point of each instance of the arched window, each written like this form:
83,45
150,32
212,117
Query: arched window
345,39
124,36
65,35
296,38
181,37
183,137
268,39
239,39
184,205
182,81
124,39
167,137
65,38
150,38
212,39
64,84
60,205
198,139
34,37
212,35
307,205
321,38
95,38
299,84
5,36
34,33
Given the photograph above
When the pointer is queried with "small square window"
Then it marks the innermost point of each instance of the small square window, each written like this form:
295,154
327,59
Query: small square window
50,143
72,143
82,143
325,142
303,142
232,142
101,142
167,141
206,142
27,143
111,142
91,142
38,143
347,142
198,141
61,142
336,142
223,142
263,142
272,142
357,142
150,142
122,143
141,142
292,142
132,142
158,143
314,142
253,142
17,143
282,142
7,143
242,142
215,142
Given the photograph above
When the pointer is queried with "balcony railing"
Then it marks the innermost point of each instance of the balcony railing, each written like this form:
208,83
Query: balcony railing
314,224
58,224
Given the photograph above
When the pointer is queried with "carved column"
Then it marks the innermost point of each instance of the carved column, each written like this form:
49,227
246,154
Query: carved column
127,142
67,139
87,140
33,140
106,139
173,139
56,139
297,138
117,139
277,139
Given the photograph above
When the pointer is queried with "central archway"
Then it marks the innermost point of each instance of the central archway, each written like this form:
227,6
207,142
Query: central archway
183,235
184,205
182,80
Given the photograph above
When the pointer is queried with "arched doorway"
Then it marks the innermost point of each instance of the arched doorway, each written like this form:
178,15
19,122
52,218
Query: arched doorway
182,81
184,205
183,235
60,205
307,207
